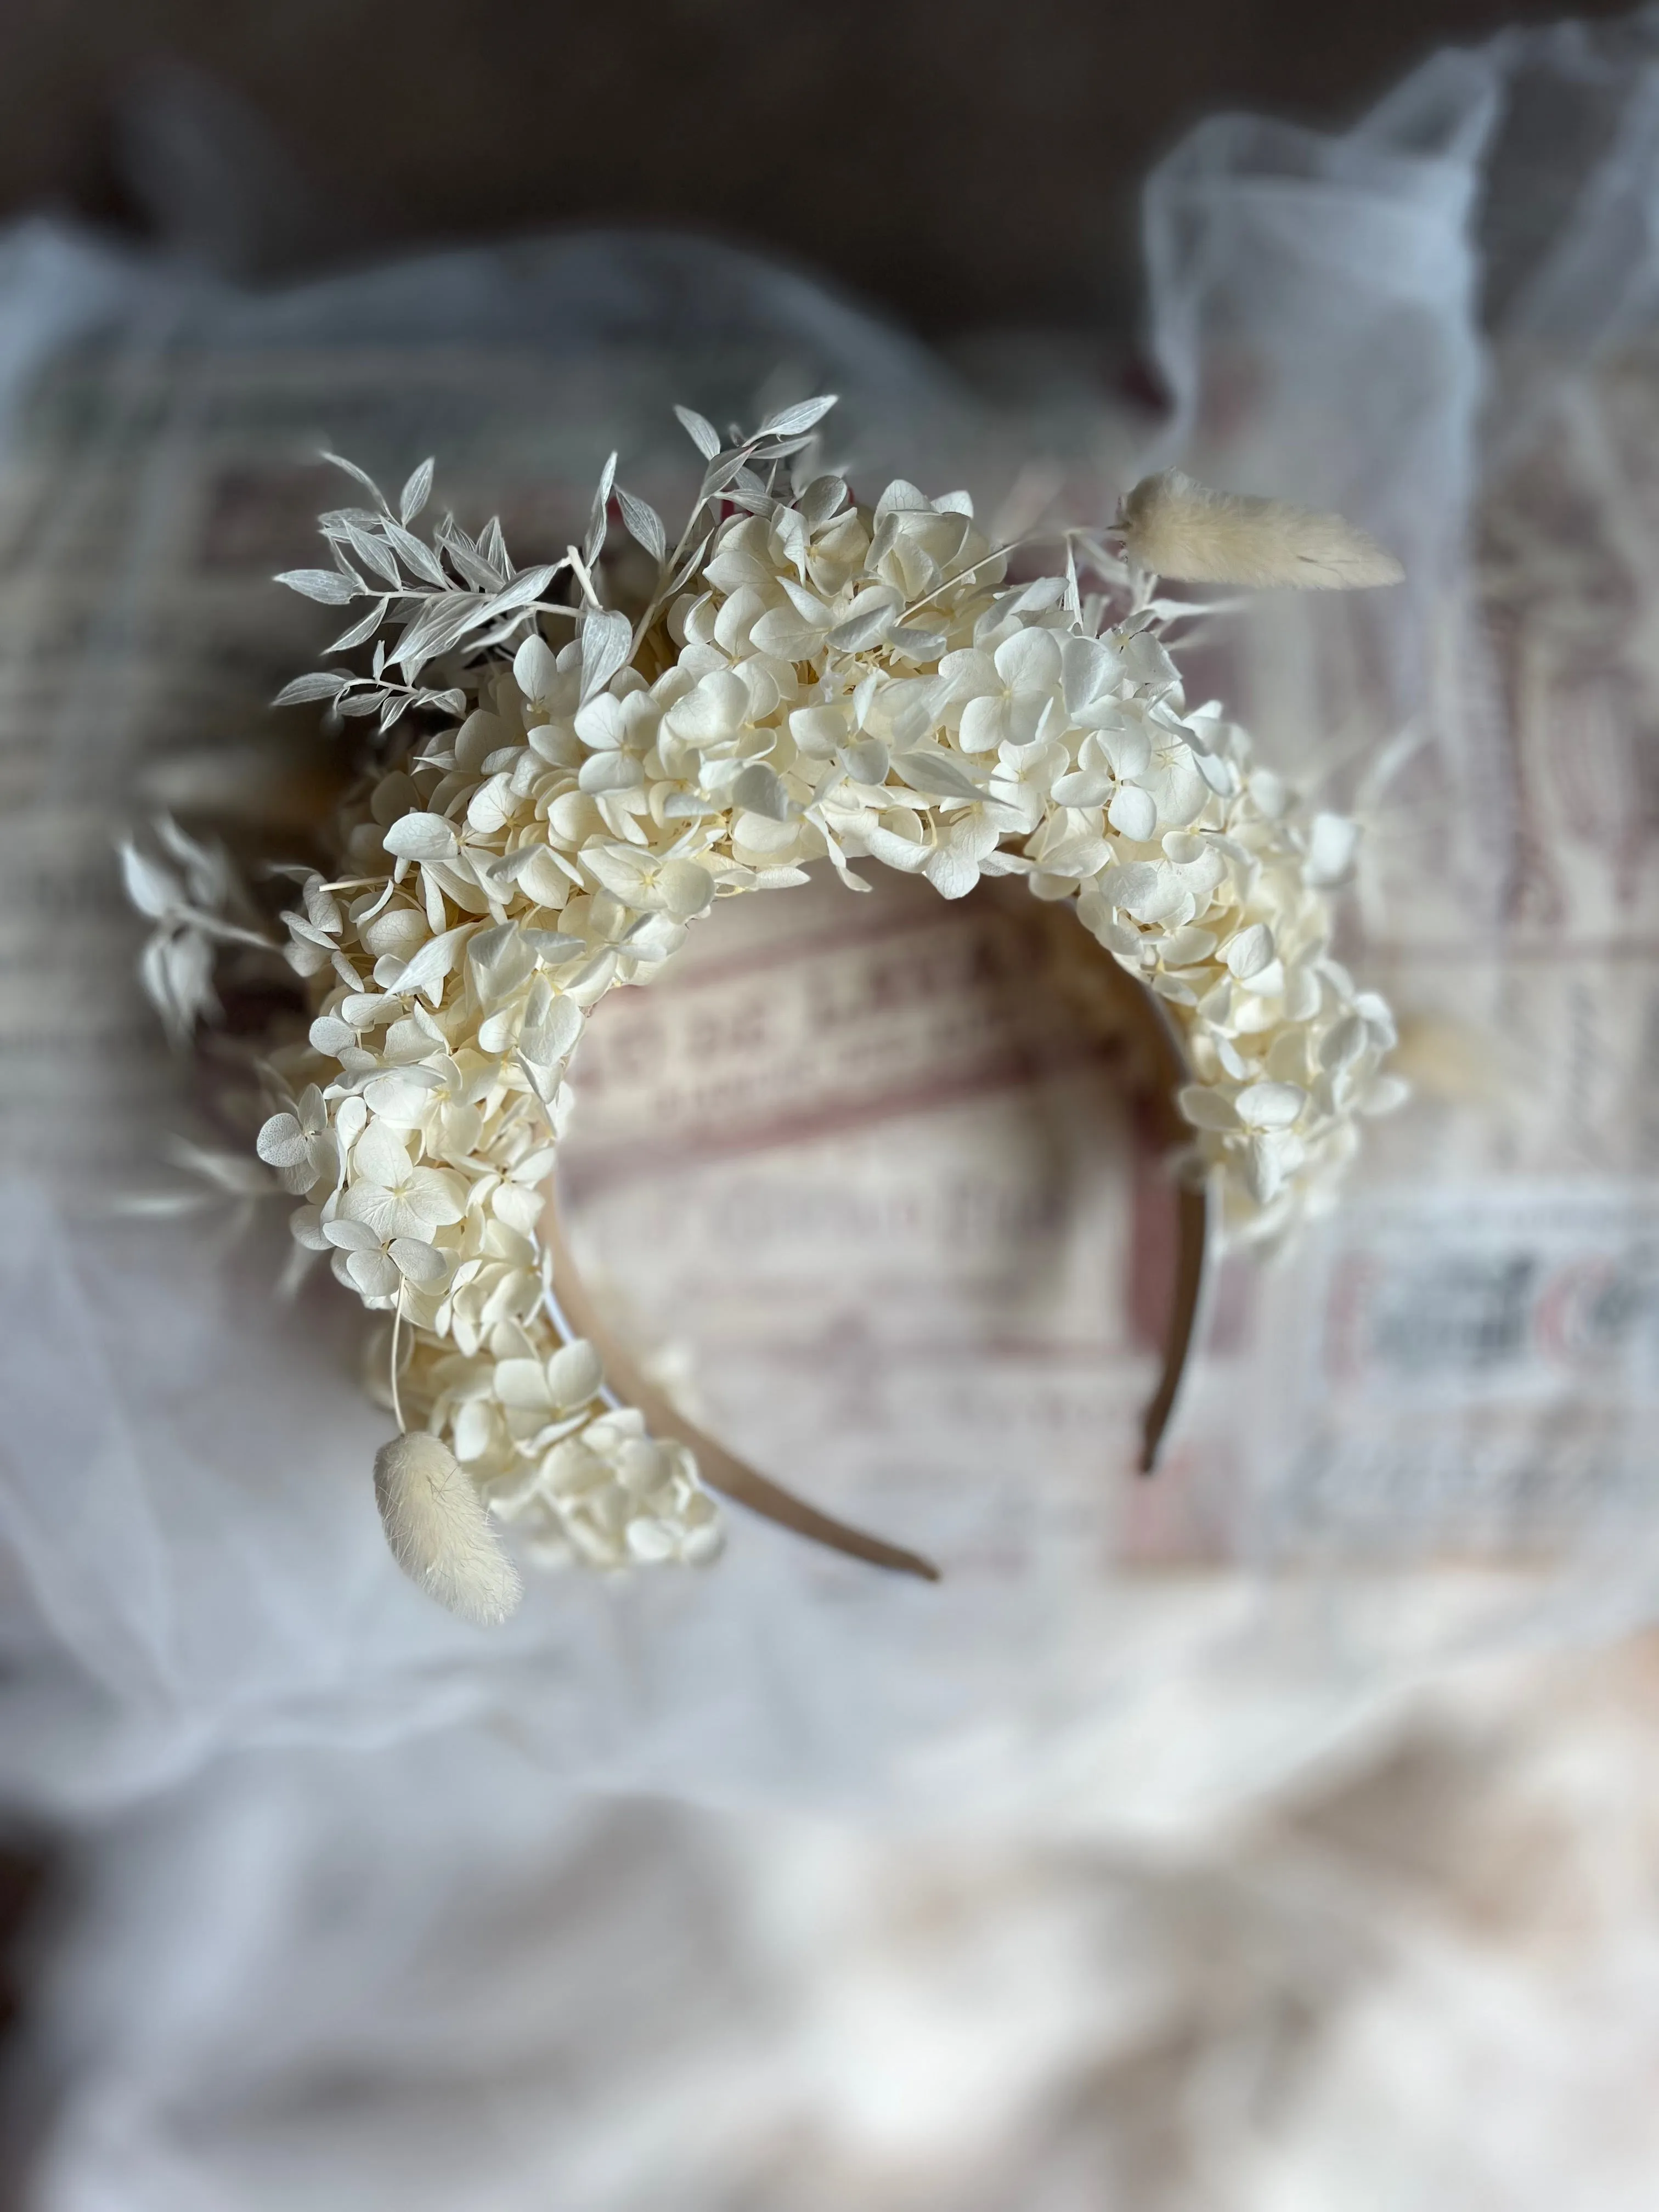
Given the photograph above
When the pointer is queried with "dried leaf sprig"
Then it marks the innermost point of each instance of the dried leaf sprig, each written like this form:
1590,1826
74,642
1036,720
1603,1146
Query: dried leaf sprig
189,891
809,680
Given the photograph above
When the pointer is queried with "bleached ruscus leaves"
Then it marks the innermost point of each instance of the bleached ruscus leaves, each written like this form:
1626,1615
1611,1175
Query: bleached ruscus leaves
814,681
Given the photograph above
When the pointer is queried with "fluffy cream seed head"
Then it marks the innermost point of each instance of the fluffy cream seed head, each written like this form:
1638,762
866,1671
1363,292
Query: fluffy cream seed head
439,1533
1175,526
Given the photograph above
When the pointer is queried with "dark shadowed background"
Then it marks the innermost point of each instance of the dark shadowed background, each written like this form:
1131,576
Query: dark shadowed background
960,162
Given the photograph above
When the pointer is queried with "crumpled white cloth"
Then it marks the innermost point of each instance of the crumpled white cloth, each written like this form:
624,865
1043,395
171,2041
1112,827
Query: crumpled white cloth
421,1976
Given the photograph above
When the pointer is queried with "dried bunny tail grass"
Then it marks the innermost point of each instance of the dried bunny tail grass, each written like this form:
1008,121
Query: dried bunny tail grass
439,1533
1176,528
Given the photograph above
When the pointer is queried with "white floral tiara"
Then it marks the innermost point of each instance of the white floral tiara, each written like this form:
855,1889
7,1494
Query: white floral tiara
810,680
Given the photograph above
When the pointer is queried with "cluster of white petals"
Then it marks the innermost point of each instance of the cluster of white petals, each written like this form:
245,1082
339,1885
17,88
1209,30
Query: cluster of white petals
818,681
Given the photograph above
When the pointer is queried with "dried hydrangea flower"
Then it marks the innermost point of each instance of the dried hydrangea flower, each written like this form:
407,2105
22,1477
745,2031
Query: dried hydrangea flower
812,680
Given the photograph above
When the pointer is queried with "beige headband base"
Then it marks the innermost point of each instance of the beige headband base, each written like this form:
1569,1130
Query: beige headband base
733,1478
1194,1247
721,1469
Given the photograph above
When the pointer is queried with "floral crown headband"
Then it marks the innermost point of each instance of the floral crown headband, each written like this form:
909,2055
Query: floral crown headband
809,680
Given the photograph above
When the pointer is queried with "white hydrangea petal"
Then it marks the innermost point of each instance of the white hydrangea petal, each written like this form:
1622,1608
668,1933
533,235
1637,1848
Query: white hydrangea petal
523,1382
1333,839
703,1542
1083,787
953,874
1134,813
380,1156
1091,669
651,1540
574,1373
1128,884
1344,1043
535,670
419,1262
1270,1105
1029,660
403,1097
421,837
332,1035
1127,749
519,1207
819,730
1206,1108
1264,1171
552,1024
1177,783
1149,891
907,854
373,1274
473,1431
984,726
1250,951
427,968
687,886
716,708
761,789
1386,1095
1302,994
369,1209
435,1195
348,1234
282,1142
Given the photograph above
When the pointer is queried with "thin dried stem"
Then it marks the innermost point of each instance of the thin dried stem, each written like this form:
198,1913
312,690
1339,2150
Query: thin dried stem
397,1336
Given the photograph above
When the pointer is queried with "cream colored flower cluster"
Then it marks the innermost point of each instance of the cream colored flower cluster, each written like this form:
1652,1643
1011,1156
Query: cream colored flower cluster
819,682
